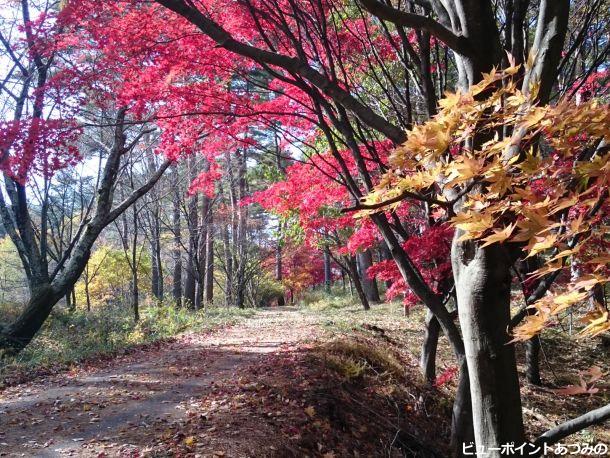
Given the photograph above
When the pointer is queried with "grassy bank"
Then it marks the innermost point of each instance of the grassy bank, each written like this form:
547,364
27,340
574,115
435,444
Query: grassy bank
70,337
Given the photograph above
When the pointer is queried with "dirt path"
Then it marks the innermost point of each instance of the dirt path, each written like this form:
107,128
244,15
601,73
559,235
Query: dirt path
131,404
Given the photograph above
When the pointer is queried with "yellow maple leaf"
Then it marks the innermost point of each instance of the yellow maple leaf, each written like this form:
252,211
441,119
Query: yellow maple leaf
451,100
473,222
499,236
563,301
597,325
531,326
538,244
533,117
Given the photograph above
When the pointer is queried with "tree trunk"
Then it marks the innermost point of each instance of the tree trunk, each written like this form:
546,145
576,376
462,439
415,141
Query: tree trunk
135,287
190,282
462,430
19,334
482,279
597,298
228,265
155,248
461,427
278,269
327,271
155,237
135,296
354,275
427,361
532,347
70,304
154,274
365,260
43,294
242,218
202,247
209,257
177,248
386,255
532,361
87,295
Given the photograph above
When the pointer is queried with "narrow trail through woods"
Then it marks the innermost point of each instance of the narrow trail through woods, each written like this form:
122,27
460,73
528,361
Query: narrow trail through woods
124,406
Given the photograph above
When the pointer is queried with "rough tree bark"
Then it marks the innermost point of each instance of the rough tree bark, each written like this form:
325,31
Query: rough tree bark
365,260
482,281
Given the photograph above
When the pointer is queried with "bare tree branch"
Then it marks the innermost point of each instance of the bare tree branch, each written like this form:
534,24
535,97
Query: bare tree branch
458,43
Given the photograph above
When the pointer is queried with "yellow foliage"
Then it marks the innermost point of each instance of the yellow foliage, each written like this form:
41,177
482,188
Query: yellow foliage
483,146
108,275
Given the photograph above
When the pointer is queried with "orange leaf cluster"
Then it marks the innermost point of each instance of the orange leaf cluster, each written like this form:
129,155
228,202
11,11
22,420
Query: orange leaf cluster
515,172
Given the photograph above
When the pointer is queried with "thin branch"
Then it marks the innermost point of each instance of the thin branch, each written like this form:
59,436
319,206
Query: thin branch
393,200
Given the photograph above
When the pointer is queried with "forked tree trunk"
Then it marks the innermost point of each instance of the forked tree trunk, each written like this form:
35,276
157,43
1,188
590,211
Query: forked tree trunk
482,279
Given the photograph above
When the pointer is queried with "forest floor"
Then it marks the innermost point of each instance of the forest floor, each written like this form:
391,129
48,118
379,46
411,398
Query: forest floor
324,381
259,388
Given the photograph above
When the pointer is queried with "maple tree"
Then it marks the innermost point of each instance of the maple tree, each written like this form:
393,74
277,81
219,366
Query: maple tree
508,206
37,143
345,86
472,33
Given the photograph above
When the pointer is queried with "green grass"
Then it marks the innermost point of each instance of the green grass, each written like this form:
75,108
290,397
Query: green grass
70,337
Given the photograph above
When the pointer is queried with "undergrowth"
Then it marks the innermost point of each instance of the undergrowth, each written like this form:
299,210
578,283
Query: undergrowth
353,358
69,337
